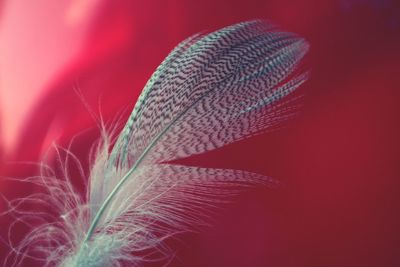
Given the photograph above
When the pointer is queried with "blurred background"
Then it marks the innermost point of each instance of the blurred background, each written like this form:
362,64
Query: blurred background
61,61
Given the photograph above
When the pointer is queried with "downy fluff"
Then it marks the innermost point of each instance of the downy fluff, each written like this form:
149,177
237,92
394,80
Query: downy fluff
210,91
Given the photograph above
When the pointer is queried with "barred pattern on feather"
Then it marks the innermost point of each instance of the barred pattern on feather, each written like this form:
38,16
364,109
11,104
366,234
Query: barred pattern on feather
210,91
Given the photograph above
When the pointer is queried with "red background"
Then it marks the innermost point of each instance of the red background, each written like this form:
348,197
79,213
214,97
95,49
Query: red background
338,160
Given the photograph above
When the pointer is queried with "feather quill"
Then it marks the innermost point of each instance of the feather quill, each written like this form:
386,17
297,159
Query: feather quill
210,91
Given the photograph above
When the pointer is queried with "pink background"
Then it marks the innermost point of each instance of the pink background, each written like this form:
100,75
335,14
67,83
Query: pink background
339,159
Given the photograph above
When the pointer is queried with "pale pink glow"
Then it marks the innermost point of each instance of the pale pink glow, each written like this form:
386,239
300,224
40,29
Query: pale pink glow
80,11
38,40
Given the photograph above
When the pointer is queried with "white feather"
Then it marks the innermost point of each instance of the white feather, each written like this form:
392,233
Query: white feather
210,91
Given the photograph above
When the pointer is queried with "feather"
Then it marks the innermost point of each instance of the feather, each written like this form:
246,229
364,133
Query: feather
211,90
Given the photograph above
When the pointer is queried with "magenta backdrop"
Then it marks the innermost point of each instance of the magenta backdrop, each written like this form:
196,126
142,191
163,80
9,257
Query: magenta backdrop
339,160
